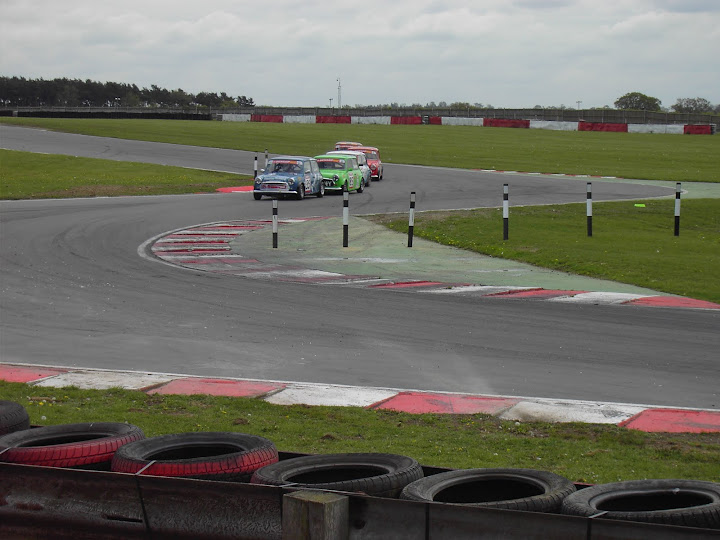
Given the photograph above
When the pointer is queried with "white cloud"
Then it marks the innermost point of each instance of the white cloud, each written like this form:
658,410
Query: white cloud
287,52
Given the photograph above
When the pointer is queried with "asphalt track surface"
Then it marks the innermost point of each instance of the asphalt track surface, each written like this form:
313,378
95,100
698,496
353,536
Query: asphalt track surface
76,293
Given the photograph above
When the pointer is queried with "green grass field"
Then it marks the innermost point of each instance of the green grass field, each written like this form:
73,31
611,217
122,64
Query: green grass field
580,452
682,158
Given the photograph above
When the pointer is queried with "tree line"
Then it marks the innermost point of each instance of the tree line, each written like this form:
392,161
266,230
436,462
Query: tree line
641,102
22,92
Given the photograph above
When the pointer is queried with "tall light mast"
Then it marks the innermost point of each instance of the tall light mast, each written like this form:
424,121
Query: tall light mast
339,94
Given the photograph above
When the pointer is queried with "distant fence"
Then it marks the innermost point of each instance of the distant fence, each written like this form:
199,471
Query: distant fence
462,115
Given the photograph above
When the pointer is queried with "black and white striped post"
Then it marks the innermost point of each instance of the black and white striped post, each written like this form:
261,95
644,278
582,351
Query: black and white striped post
411,220
346,215
275,223
677,209
589,209
266,158
506,213
255,167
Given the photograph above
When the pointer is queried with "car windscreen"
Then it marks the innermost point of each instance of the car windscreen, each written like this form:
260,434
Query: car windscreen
336,164
284,166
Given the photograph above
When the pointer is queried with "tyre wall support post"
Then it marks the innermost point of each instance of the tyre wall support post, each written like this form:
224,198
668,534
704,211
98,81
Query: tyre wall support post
677,209
346,216
411,220
275,223
589,209
315,515
506,212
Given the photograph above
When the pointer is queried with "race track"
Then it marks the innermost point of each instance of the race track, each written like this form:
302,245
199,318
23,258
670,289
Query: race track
75,292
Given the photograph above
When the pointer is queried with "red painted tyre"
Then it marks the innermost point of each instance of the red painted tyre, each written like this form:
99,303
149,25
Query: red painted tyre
207,456
13,417
68,445
381,475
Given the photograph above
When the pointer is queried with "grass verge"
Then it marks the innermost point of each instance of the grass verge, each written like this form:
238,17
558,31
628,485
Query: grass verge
591,453
26,175
625,155
630,244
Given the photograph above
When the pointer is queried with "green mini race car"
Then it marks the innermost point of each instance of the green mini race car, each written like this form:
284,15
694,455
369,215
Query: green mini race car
340,171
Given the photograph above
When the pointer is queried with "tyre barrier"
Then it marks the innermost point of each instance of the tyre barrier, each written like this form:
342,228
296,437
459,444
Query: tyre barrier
202,455
380,475
13,417
87,445
689,503
512,489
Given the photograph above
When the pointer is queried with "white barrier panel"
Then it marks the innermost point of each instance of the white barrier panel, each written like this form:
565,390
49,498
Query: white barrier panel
675,129
235,117
308,119
559,126
371,120
458,121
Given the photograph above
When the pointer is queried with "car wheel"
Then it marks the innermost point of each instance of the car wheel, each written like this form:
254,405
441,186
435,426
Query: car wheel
321,191
300,193
361,187
257,196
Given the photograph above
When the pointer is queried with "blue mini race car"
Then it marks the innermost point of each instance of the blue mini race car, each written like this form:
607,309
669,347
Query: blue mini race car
289,176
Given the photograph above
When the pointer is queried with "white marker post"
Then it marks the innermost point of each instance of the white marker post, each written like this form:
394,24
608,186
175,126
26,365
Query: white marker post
266,158
346,215
275,223
411,222
677,209
506,213
589,209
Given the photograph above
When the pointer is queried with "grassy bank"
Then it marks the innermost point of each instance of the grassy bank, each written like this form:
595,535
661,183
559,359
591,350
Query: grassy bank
630,244
25,175
626,155
582,452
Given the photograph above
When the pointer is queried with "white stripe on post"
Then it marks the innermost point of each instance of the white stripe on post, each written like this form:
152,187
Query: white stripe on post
589,209
255,167
346,215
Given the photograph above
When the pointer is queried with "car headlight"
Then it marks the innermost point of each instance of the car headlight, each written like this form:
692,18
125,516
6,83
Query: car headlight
336,177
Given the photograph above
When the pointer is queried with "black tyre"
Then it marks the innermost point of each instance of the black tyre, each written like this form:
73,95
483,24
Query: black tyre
257,196
300,192
208,456
13,417
513,489
361,187
321,191
69,445
381,475
690,503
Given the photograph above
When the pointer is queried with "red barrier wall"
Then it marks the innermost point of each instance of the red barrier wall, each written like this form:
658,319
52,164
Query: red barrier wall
691,129
505,122
277,118
436,121
602,126
333,119
414,120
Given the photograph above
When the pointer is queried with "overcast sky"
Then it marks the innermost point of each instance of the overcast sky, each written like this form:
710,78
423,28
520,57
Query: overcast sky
506,53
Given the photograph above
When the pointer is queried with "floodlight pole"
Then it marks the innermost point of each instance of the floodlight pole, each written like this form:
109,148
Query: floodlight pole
339,94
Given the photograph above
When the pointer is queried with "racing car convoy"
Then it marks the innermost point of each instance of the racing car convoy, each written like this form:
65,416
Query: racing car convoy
350,166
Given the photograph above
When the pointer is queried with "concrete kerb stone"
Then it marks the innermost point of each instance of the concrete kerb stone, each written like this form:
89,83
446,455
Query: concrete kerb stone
517,408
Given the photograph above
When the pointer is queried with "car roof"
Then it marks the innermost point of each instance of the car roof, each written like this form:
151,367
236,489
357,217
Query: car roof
372,148
355,143
331,156
296,158
348,152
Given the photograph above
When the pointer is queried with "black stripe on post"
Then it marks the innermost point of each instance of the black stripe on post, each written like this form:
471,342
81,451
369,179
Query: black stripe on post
589,209
255,168
506,213
677,209
346,215
411,220
275,223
